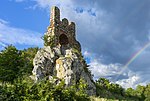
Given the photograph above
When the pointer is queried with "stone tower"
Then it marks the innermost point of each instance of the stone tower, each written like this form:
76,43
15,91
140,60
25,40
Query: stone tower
63,31
61,55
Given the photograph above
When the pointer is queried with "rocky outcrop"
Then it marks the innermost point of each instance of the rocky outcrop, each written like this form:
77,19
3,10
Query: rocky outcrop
69,66
44,62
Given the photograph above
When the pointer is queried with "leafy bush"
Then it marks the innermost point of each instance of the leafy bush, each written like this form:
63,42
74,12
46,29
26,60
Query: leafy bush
15,63
10,63
49,40
27,56
26,90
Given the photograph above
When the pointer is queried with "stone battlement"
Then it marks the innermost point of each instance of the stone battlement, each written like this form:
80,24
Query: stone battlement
63,30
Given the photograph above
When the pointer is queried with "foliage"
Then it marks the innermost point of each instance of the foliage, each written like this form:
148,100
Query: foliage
49,40
147,91
10,63
114,91
27,90
15,63
109,90
27,56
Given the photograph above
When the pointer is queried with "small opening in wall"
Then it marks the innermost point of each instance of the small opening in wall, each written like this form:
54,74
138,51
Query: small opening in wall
63,39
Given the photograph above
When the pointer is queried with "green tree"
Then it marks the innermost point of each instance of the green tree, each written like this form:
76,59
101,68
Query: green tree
147,93
130,92
140,92
103,83
116,88
10,63
27,56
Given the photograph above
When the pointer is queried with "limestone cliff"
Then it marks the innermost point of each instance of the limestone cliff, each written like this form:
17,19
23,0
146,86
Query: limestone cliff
61,55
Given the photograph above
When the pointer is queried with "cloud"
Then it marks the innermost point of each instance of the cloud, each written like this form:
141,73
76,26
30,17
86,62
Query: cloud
2,45
3,21
18,1
102,70
127,79
132,81
15,36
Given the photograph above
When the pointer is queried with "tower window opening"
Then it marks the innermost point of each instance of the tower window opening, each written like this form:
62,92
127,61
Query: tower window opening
63,39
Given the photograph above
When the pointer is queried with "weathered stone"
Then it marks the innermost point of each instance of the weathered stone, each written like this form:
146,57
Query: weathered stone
61,56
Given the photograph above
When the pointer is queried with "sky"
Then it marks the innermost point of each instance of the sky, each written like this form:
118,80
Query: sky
114,34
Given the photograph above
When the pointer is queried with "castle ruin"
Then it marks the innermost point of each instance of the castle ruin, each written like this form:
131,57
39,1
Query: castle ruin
61,55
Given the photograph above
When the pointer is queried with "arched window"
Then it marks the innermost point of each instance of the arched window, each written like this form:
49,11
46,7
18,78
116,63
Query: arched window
63,39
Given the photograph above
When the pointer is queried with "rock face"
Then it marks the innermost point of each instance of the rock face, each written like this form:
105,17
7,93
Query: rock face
61,55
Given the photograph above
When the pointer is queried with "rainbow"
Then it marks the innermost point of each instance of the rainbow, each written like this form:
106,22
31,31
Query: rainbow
133,58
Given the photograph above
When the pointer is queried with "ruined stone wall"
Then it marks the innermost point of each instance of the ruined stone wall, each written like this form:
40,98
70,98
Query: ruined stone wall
58,27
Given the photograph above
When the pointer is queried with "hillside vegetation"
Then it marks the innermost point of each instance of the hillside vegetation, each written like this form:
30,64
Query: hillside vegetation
16,84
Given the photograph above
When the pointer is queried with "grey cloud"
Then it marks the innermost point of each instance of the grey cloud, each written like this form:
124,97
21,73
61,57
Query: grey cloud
126,31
